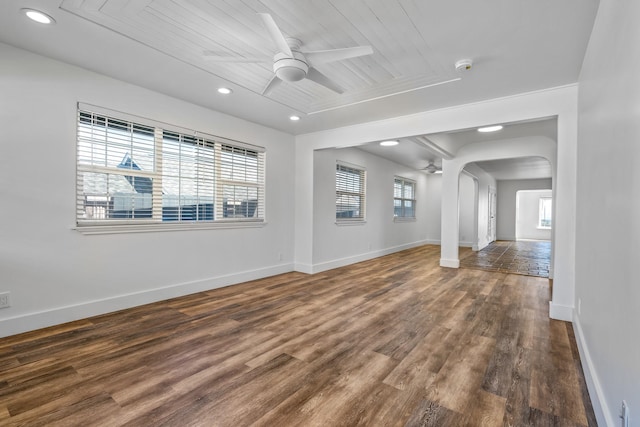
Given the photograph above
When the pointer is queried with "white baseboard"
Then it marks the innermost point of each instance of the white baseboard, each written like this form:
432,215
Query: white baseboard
56,316
449,263
303,268
598,401
466,244
432,242
560,312
329,265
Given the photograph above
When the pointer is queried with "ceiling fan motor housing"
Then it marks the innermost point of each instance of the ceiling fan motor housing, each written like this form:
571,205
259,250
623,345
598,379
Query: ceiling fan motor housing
290,69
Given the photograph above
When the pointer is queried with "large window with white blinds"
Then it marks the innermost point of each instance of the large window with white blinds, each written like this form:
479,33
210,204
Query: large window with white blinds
135,171
350,192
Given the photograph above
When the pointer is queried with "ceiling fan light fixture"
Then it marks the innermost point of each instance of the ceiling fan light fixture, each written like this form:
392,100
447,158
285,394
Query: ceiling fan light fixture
490,129
224,90
290,74
38,16
290,69
389,143
432,168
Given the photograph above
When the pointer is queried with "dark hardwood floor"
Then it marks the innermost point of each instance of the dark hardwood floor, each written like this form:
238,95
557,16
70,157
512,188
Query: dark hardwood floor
392,341
528,257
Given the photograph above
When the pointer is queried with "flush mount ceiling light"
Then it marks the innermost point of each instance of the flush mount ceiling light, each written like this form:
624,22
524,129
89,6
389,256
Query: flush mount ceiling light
389,143
224,90
294,118
36,15
490,129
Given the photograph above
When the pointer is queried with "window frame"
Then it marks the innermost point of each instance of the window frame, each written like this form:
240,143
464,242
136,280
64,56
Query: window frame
345,193
541,216
158,221
404,183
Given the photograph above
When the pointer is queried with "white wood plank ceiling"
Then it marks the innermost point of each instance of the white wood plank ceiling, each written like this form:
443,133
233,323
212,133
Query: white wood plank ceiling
517,46
402,34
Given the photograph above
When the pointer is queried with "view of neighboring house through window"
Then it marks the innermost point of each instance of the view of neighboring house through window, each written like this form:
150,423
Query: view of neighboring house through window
544,220
350,192
404,198
134,172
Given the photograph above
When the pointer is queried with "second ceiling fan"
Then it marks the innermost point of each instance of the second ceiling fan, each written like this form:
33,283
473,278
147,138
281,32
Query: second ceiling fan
292,64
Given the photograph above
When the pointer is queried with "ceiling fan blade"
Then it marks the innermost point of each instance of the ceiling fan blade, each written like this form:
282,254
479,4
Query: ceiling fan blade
276,34
323,80
213,56
324,56
273,83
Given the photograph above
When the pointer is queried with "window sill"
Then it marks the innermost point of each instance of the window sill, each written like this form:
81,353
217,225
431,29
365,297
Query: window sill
543,228
404,219
351,222
161,227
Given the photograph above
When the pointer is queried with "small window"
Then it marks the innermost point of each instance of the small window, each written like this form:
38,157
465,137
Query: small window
404,198
544,218
350,193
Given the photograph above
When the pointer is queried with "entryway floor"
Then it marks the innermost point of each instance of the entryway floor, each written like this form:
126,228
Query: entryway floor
526,257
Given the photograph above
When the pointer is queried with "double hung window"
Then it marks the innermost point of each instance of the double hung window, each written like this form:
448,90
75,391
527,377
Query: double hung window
133,171
350,193
404,198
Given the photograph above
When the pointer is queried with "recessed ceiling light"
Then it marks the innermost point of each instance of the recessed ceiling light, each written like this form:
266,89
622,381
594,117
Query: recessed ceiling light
294,118
38,16
389,143
224,90
490,128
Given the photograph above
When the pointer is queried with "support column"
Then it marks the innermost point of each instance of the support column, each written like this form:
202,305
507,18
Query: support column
450,225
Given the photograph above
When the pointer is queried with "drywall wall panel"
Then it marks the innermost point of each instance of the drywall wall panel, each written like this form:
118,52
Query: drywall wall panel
336,244
607,295
528,215
506,211
57,274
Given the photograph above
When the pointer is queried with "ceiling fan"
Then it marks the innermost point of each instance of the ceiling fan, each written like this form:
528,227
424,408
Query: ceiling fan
432,168
291,64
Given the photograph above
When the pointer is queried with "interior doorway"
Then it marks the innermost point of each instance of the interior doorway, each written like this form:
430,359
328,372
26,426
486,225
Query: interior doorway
534,214
530,252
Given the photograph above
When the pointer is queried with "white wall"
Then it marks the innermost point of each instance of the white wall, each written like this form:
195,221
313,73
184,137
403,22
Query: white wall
607,315
336,245
528,215
56,274
506,206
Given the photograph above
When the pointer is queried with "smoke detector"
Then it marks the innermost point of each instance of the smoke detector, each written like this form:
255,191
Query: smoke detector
464,65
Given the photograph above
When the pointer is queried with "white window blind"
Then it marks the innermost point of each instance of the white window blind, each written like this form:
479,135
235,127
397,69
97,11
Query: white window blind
350,192
404,198
131,172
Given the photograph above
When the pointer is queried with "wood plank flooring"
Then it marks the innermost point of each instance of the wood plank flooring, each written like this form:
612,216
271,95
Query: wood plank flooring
528,257
392,341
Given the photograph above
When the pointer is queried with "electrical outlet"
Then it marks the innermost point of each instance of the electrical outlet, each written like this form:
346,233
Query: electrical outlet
4,300
624,414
